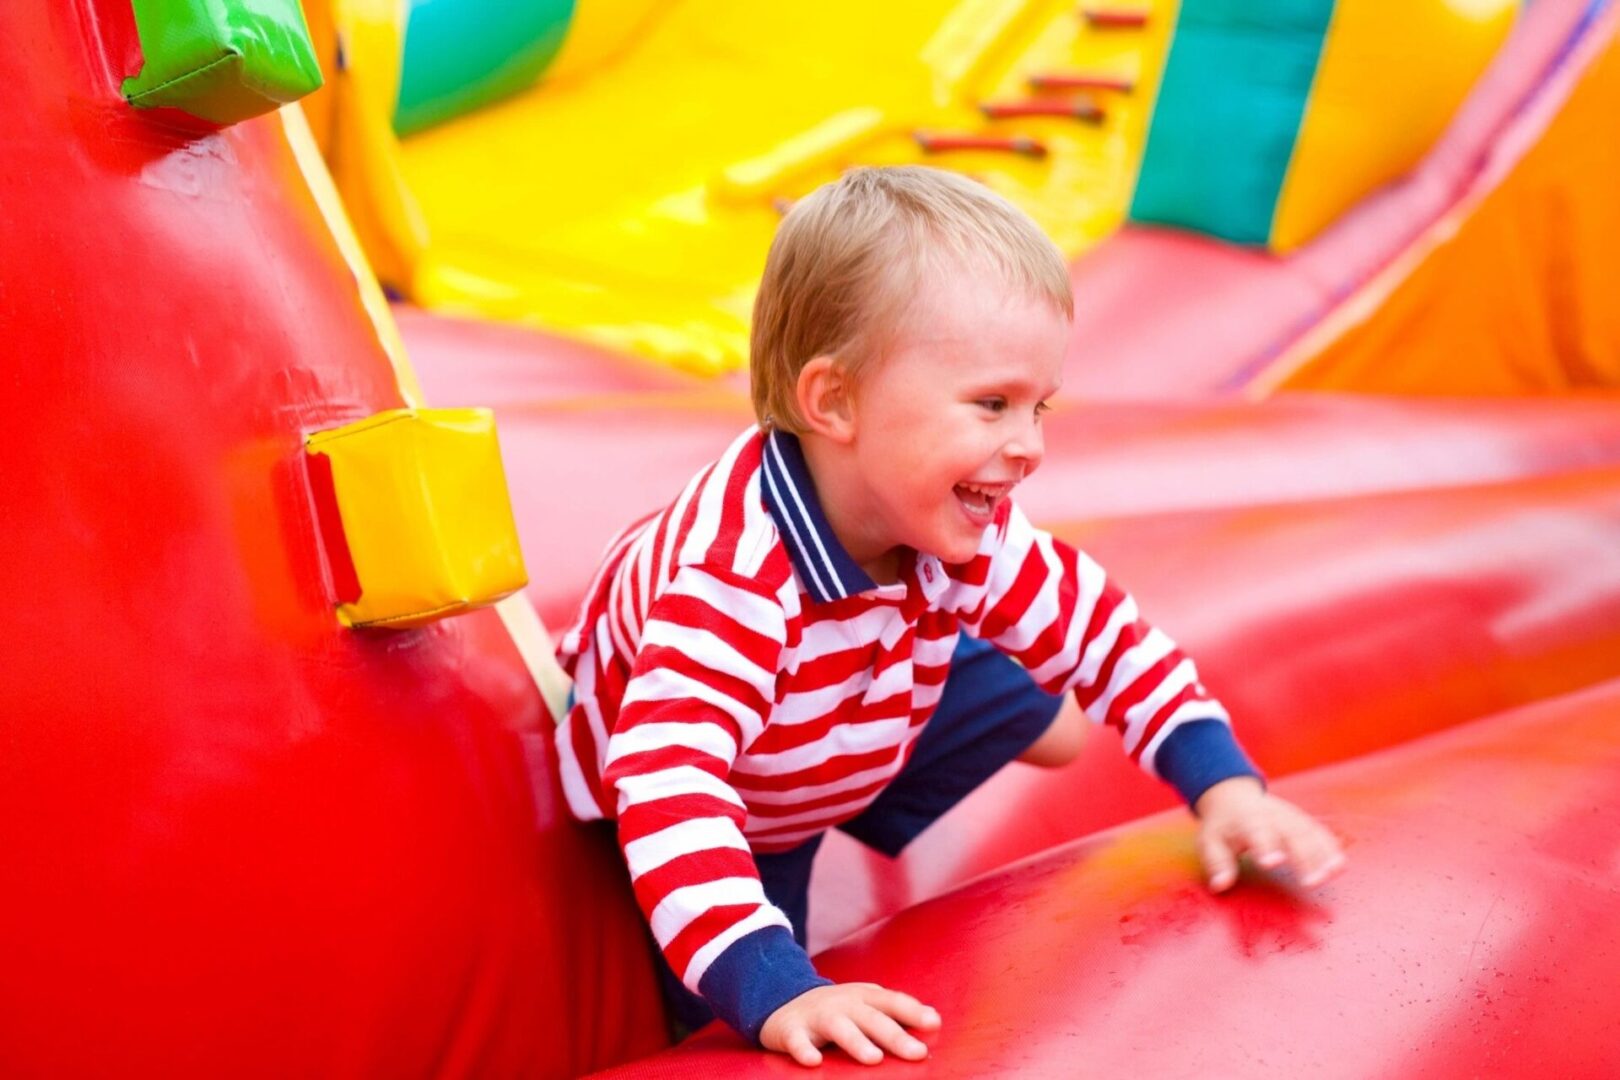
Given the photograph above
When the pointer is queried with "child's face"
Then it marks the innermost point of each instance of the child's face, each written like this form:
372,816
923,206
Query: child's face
948,418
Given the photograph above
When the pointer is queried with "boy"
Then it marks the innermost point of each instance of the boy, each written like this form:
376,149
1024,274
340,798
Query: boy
767,658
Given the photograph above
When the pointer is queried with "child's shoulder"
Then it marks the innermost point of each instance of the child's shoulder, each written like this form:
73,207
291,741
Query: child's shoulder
720,522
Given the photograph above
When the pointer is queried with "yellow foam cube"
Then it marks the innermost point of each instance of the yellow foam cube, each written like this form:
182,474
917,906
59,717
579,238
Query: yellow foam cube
414,516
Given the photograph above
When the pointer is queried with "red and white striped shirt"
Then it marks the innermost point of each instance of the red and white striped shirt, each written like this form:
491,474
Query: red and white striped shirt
742,685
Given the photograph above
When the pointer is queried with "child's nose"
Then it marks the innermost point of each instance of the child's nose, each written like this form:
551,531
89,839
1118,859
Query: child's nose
1028,445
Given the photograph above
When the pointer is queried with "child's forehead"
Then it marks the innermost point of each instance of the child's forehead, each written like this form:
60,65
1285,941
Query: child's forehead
1001,337
932,297
949,302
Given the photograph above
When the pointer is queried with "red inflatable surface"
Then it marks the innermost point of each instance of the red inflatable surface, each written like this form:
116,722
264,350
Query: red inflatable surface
1477,933
239,839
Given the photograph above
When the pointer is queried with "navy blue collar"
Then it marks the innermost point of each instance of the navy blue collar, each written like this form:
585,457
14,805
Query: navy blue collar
825,569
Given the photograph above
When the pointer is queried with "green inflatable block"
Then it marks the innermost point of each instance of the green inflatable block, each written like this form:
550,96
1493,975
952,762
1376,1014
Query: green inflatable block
222,60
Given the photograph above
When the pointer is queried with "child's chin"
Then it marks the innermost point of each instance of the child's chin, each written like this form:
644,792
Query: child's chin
957,553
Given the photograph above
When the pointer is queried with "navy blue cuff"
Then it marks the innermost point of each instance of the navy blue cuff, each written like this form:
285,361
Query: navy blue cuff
757,975
1200,754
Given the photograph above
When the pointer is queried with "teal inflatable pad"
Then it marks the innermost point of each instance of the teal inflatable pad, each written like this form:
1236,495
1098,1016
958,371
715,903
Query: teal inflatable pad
1228,115
463,54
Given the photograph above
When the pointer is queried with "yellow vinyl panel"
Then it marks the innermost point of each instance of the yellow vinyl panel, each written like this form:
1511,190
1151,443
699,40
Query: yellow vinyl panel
1391,75
600,32
353,123
632,204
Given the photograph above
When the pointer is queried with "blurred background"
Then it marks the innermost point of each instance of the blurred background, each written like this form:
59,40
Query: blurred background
1342,408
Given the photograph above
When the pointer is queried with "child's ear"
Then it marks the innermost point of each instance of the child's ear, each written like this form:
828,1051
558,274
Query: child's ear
825,395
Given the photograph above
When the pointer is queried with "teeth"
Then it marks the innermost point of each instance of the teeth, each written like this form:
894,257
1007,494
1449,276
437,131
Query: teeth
978,497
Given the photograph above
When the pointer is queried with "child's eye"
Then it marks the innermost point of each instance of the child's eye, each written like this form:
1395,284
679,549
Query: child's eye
1042,408
994,404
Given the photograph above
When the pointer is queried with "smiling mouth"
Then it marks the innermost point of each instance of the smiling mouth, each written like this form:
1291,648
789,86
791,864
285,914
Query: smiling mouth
979,501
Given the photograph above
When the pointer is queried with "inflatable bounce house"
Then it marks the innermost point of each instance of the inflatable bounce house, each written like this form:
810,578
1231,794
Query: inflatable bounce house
277,790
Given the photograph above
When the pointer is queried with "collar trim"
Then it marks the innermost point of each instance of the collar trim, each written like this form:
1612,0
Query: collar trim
825,569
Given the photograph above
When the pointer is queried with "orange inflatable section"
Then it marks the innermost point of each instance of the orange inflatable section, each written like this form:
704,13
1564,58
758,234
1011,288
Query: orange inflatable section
1519,283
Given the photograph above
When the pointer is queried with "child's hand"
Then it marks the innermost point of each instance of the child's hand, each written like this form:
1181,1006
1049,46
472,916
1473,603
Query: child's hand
863,1018
1237,816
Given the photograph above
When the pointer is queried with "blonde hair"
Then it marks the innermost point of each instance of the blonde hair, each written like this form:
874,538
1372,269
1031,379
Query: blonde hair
849,256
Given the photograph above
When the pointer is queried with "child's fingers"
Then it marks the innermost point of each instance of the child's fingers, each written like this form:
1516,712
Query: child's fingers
801,1048
1220,864
1323,871
1264,845
882,1029
903,1007
847,1034
1315,853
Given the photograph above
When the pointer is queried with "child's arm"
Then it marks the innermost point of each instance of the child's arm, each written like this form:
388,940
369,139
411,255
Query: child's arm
703,682
700,689
1053,609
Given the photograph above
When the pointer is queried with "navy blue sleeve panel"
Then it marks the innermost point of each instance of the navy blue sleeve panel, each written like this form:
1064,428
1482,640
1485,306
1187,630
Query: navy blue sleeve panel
1200,754
757,975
